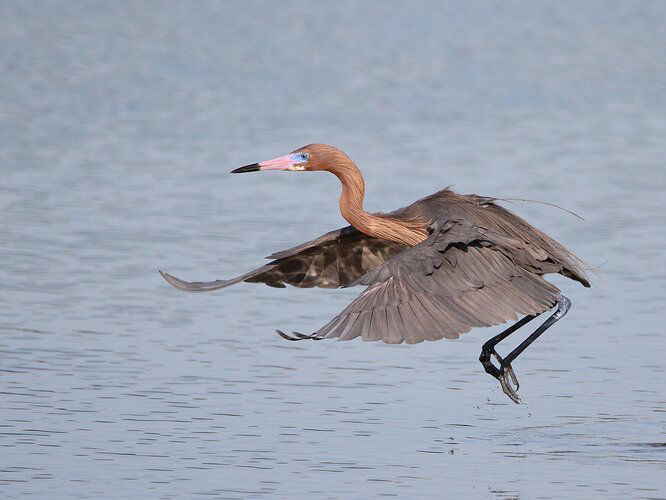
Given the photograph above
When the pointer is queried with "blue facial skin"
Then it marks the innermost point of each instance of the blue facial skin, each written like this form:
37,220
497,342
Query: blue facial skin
300,157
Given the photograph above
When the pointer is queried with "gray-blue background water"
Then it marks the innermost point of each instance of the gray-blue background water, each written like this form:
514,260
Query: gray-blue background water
119,122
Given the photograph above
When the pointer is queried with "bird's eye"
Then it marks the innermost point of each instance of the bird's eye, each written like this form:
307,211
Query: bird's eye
304,156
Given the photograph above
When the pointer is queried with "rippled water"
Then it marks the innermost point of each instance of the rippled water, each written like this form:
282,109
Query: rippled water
118,125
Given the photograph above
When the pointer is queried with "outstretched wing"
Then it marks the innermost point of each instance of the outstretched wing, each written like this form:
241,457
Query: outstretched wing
462,276
333,260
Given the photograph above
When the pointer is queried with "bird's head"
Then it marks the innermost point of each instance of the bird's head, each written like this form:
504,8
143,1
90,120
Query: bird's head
308,158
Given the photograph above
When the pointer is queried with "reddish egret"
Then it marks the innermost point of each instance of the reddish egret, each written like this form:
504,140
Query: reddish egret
434,269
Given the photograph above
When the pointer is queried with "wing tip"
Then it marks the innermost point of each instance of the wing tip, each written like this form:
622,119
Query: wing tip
188,286
298,336
175,282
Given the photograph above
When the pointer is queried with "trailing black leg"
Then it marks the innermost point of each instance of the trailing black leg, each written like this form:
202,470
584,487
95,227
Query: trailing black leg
488,348
505,372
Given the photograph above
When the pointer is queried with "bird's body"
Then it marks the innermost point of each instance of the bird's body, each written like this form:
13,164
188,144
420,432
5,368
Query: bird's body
434,269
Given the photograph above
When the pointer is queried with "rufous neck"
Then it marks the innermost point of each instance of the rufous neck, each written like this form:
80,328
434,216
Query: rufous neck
353,193
380,226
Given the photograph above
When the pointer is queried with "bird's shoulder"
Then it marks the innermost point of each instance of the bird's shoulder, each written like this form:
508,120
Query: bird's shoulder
447,204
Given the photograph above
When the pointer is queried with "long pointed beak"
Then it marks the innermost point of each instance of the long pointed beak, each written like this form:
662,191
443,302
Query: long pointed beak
254,167
285,162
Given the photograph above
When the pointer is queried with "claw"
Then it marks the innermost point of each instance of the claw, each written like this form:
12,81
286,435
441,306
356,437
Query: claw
514,379
506,373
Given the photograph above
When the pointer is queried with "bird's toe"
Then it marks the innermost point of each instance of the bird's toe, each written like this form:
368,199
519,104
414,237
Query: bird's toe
506,378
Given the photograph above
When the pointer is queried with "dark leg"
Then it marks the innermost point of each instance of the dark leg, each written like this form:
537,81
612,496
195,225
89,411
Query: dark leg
488,348
505,371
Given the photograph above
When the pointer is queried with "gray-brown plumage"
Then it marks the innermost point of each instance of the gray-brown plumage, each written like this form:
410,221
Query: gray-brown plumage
434,269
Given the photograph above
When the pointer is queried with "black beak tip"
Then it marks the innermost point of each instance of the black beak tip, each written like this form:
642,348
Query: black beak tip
254,167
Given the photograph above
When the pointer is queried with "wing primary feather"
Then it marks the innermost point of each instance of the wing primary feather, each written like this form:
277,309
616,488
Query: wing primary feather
394,334
429,321
412,333
464,315
353,317
377,324
371,332
359,326
492,311
455,324
329,329
517,301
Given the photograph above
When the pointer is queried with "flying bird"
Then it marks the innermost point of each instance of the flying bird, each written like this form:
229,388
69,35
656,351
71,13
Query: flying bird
435,269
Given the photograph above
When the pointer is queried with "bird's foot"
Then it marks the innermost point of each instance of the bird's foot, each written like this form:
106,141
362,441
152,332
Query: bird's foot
506,378
504,373
298,336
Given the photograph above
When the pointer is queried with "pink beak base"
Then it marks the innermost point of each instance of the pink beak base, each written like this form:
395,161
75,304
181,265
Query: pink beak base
282,163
